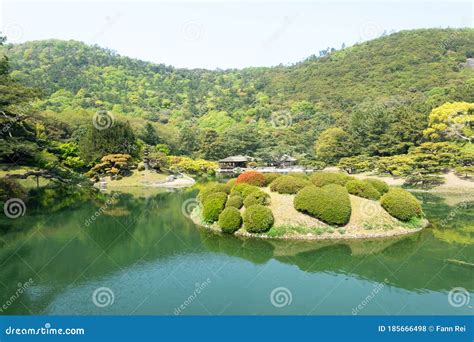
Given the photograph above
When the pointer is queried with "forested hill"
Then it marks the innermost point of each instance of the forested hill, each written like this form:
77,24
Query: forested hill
414,70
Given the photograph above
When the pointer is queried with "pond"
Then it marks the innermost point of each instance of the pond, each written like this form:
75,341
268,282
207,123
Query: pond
137,255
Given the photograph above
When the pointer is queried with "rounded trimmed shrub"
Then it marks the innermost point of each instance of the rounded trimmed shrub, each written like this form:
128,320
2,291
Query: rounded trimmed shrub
379,185
258,219
251,177
362,189
288,184
330,204
257,197
401,204
213,206
270,177
230,220
231,182
324,178
243,189
213,188
235,201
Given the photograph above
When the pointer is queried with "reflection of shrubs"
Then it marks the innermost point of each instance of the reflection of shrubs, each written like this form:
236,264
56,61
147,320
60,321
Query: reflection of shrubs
401,204
235,201
363,189
230,220
243,190
257,197
288,184
251,177
213,206
258,219
325,178
270,177
379,185
330,204
213,188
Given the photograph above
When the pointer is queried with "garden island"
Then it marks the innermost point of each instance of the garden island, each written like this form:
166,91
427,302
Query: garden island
323,205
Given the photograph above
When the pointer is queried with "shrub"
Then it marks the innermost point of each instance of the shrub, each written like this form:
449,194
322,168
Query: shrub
330,204
252,178
258,219
235,201
270,177
257,197
288,184
11,188
379,185
401,204
231,182
325,178
363,189
243,189
213,206
211,189
230,220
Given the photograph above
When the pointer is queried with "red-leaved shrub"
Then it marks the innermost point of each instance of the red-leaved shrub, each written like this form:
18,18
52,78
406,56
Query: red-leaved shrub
252,178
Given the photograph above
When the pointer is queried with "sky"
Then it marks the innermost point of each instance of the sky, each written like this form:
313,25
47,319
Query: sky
230,34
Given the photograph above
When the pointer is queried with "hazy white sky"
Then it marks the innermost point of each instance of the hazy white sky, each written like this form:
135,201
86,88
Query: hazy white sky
223,34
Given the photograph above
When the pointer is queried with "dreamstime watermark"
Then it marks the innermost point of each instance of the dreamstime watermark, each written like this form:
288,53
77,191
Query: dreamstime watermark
190,205
14,208
19,291
370,30
453,213
199,288
458,297
369,208
192,30
281,119
280,297
13,32
103,119
46,330
104,207
103,296
7,126
370,297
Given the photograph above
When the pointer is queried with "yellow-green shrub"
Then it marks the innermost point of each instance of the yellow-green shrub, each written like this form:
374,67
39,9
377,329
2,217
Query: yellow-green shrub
213,206
258,219
363,189
257,197
235,201
325,178
288,184
379,185
401,204
230,220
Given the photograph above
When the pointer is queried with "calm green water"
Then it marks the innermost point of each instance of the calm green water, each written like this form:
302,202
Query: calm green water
154,260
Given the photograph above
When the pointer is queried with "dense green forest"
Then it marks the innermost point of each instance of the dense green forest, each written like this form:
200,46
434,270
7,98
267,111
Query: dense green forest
378,98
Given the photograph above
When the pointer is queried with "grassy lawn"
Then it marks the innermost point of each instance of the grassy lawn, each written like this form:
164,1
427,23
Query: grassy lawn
138,178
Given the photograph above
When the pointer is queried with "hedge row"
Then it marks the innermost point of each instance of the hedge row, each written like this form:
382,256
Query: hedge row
330,204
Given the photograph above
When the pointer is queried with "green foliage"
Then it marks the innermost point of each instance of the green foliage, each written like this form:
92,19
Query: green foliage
324,178
363,189
258,219
11,188
288,184
119,138
357,164
235,201
230,220
270,177
188,165
334,144
378,184
451,121
257,197
213,206
113,165
330,204
212,188
401,204
243,190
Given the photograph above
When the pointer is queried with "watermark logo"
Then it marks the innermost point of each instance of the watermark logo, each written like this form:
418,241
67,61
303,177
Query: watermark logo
280,297
281,120
103,120
190,205
369,297
198,289
192,30
369,209
102,297
458,297
14,208
370,30
13,32
22,287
